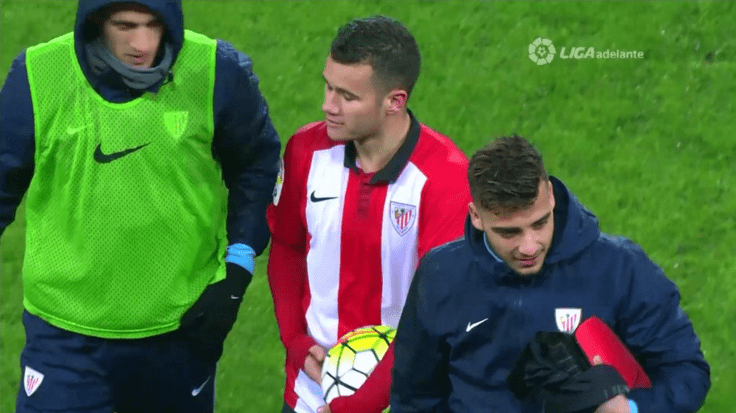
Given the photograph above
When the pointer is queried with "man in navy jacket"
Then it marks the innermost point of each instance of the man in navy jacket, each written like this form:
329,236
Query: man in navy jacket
533,259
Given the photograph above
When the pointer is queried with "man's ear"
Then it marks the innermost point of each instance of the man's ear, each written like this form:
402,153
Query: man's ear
475,217
551,194
396,101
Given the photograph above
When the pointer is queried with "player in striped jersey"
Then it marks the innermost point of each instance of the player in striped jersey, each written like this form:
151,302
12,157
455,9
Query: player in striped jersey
362,196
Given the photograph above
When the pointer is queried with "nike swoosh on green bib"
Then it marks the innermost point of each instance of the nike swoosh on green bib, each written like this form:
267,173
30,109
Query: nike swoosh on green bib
107,158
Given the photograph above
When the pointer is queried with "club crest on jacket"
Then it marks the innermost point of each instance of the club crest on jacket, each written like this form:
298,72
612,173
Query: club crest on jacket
568,319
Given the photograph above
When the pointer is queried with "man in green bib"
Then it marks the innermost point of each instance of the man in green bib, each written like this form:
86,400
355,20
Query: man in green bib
148,158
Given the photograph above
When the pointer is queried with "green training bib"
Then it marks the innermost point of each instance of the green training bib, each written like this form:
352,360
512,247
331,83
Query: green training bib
127,209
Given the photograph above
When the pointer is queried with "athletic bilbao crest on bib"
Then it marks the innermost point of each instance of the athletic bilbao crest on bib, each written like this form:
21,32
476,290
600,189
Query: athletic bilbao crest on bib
31,380
176,123
568,319
402,216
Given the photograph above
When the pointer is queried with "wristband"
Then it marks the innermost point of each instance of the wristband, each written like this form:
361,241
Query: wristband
242,255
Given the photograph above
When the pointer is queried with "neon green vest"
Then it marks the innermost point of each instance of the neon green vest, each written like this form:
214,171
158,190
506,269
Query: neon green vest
126,210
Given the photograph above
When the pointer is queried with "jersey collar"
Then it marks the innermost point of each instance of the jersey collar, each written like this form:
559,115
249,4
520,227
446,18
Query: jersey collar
389,173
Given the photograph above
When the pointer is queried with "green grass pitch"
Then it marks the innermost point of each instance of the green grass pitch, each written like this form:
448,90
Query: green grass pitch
644,143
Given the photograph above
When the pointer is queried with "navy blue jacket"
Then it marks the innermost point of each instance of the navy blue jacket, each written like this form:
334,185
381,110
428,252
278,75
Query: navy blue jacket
245,142
446,360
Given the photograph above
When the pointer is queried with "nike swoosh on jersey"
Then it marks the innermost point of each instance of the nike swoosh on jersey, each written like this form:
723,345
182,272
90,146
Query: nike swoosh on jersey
316,199
71,131
476,324
107,158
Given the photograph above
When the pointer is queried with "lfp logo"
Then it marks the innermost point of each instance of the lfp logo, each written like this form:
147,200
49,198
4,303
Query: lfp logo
541,51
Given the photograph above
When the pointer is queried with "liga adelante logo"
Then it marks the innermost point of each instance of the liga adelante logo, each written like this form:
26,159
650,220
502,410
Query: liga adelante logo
542,51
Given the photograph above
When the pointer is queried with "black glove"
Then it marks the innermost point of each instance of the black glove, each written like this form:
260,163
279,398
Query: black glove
208,322
553,369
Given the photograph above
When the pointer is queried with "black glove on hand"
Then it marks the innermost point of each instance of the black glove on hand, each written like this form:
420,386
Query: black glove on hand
554,369
208,322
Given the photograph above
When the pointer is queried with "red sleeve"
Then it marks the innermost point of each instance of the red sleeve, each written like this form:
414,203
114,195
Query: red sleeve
373,395
445,205
287,265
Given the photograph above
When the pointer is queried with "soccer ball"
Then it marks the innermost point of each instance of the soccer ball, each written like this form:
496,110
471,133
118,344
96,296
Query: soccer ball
349,362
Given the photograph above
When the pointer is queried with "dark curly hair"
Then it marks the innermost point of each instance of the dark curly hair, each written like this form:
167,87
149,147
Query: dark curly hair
504,176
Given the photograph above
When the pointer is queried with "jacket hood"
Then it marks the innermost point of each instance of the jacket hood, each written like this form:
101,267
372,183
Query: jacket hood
85,31
575,229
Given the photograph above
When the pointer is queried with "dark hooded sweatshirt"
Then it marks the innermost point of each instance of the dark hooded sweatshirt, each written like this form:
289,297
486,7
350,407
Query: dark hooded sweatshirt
245,142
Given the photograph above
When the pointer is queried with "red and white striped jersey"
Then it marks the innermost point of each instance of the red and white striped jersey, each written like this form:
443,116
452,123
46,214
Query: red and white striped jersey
345,244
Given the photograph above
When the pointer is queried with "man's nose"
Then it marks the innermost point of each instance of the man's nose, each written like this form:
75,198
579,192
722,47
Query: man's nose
530,244
145,40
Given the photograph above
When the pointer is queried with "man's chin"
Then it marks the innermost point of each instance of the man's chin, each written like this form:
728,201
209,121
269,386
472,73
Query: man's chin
337,138
528,271
336,135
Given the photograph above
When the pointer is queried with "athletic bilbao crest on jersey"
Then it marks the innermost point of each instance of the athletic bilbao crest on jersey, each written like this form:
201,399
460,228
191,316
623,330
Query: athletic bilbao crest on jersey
176,123
402,216
568,319
32,380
